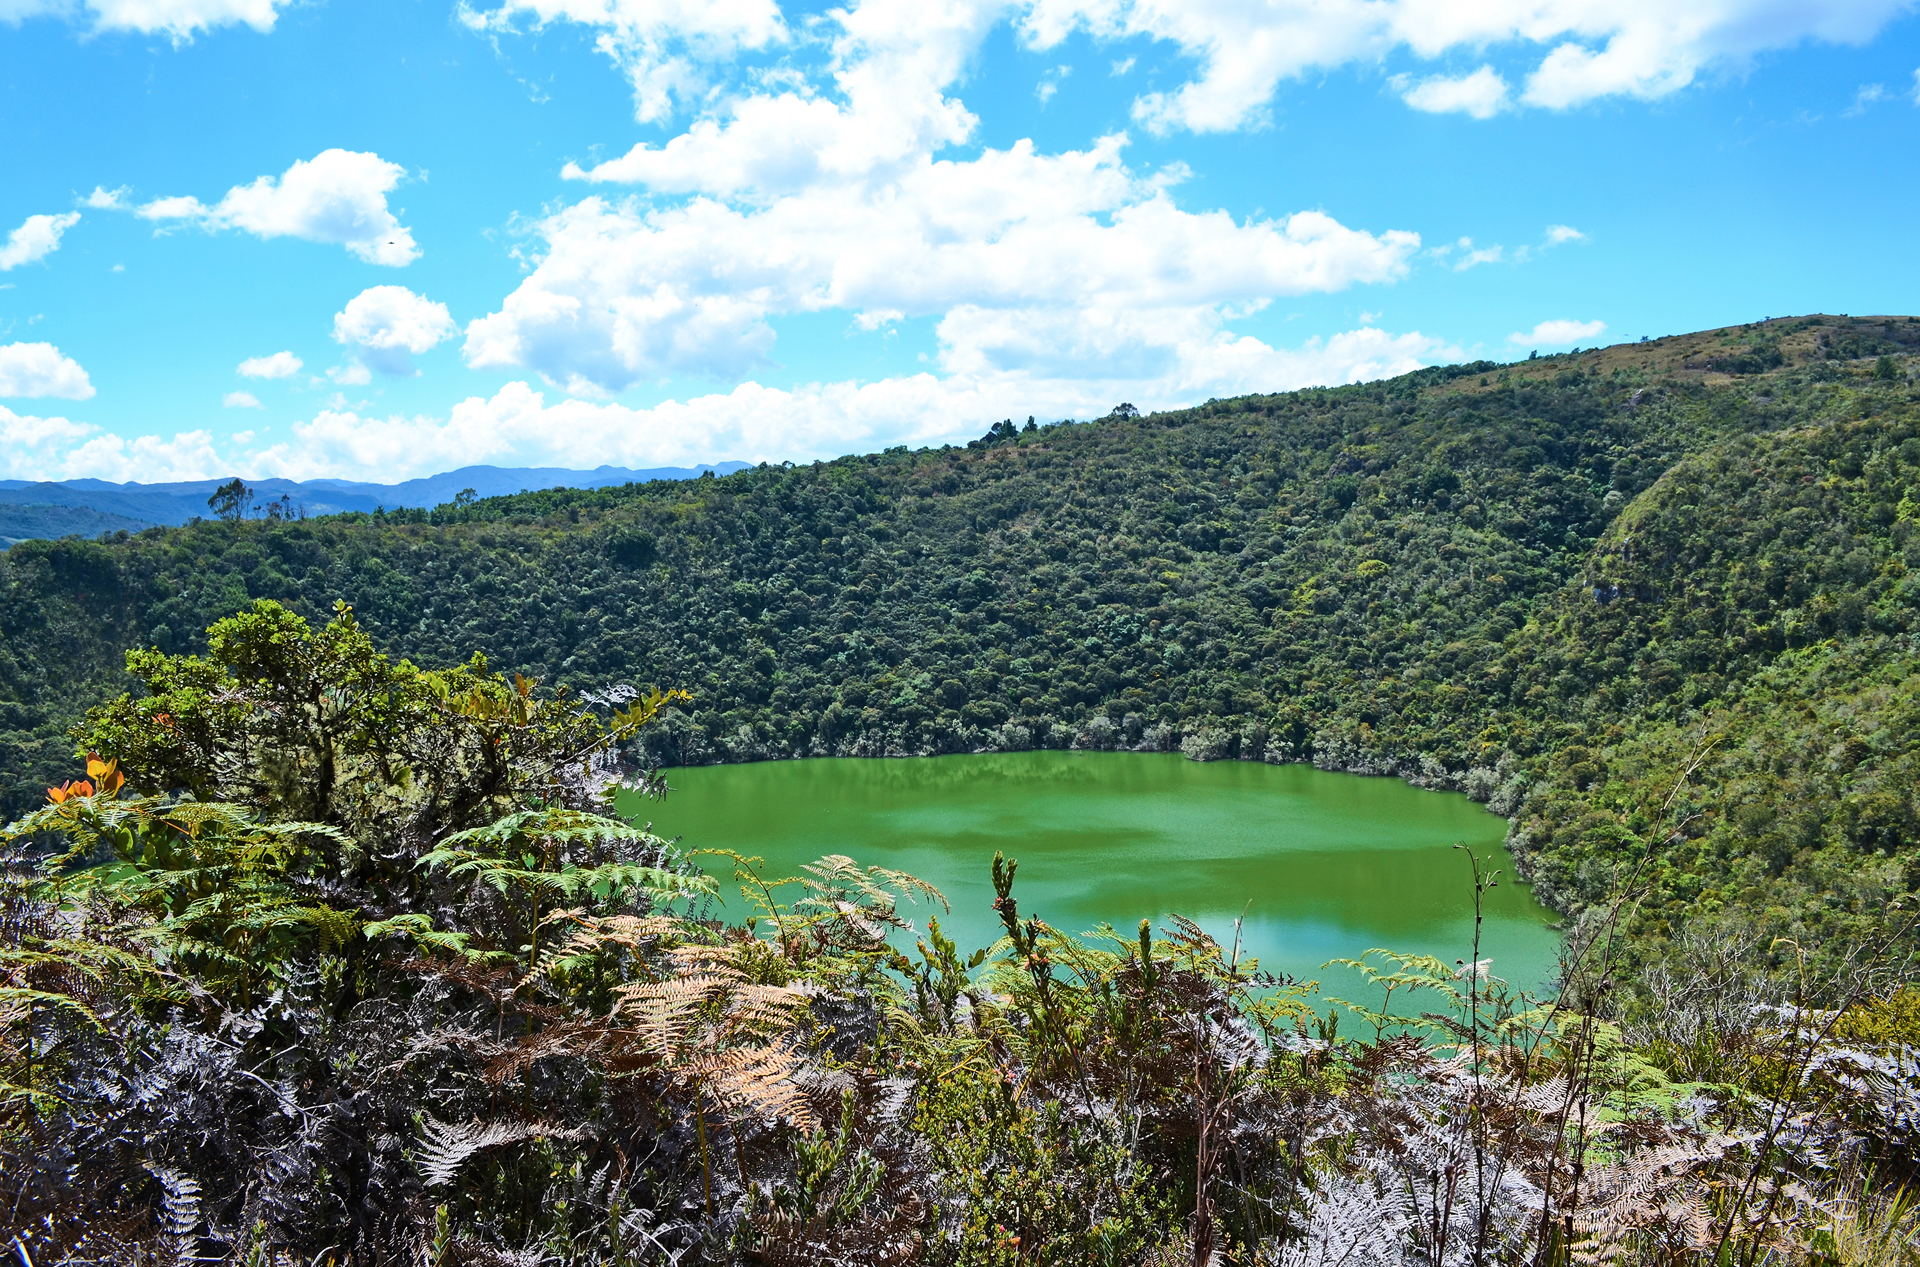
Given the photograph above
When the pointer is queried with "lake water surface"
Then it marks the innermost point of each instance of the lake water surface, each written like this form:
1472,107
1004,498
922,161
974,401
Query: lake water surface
1321,864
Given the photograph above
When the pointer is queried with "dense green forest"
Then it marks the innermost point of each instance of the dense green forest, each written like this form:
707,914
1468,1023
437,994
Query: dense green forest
1556,584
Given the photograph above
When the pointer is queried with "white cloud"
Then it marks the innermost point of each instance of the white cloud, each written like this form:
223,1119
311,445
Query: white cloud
104,199
808,205
1011,375
388,325
59,448
35,239
662,46
241,400
338,196
31,447
189,455
1869,94
1916,86
790,201
1559,233
891,63
518,427
795,200
1482,94
1635,48
179,19
1558,333
15,11
1470,255
38,369
279,365
352,374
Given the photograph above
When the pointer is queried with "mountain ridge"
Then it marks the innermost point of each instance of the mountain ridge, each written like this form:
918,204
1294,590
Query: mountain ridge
92,506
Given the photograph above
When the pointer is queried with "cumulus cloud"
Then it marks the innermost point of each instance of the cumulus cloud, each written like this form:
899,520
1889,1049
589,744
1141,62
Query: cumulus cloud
519,426
189,455
1058,283
892,61
626,292
35,239
31,448
663,46
338,197
389,325
1470,255
797,203
1482,94
279,365
1012,377
1559,233
1557,333
1634,48
799,197
38,369
55,448
179,19
241,400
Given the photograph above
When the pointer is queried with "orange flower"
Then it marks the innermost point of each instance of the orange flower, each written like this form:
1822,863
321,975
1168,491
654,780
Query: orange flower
107,772
79,787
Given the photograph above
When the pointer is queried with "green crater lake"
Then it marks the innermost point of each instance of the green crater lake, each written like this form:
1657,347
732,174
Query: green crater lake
1321,864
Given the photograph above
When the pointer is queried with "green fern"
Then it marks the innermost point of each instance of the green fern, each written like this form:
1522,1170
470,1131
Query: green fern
216,886
525,852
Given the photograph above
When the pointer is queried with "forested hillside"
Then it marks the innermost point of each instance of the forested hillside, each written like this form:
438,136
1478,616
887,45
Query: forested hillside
1560,585
378,981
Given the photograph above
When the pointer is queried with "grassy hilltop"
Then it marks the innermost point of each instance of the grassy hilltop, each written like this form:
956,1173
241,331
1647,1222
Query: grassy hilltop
1553,584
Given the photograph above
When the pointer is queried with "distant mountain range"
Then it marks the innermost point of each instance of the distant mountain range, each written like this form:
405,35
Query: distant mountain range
90,507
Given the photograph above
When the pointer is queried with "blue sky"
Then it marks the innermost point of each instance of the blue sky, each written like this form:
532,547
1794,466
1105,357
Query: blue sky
381,240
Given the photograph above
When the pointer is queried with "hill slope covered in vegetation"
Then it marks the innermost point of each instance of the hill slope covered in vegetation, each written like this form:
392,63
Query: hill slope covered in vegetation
1557,584
379,982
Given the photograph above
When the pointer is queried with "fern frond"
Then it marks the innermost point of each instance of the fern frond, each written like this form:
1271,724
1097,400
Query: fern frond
419,928
664,1013
179,1211
558,825
758,1081
444,1147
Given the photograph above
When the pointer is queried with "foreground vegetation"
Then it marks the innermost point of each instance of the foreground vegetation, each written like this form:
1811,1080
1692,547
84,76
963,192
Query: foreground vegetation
331,958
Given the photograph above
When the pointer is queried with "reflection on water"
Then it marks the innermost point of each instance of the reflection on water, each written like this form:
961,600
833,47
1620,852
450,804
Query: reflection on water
1320,864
